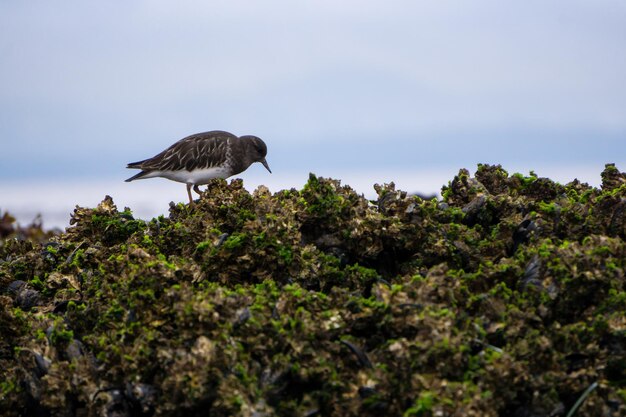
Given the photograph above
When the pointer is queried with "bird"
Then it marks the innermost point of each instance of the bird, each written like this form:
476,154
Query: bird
198,158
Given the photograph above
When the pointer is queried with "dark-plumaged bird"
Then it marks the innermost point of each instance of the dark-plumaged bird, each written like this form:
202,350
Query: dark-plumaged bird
197,159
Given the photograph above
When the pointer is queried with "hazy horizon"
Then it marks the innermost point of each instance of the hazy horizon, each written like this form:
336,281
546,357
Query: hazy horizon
56,199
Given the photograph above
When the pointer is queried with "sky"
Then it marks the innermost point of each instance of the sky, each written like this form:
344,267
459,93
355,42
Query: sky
363,91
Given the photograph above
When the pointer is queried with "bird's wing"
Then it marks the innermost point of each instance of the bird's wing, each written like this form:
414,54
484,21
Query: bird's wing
202,150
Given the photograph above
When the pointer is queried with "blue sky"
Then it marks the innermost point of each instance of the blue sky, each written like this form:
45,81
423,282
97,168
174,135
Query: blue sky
332,87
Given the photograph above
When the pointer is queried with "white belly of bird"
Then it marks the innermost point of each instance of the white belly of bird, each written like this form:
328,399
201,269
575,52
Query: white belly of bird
198,176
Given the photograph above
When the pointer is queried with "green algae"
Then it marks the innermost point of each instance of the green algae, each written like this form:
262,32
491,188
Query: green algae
505,298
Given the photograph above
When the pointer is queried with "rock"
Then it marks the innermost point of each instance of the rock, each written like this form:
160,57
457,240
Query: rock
507,297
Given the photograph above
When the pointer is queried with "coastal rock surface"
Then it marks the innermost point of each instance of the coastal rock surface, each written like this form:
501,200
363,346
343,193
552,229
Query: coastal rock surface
505,298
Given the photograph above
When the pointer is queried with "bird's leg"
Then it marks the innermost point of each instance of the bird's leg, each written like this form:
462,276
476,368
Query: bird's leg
189,194
197,190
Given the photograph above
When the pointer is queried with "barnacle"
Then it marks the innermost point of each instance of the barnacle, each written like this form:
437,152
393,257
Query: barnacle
505,298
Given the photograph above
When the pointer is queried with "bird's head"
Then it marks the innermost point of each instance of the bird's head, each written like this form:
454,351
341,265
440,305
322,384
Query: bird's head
259,150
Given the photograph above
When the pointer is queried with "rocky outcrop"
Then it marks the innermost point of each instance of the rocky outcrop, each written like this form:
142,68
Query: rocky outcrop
505,298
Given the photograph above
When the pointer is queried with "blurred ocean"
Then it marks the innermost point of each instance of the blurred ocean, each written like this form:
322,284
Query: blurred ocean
55,199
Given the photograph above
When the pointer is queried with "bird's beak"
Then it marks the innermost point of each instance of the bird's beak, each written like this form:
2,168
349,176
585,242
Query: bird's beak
264,162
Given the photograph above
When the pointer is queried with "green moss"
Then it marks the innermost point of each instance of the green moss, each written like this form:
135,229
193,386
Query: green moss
238,303
423,405
8,387
548,208
286,254
234,241
525,181
37,283
202,246
321,198
60,334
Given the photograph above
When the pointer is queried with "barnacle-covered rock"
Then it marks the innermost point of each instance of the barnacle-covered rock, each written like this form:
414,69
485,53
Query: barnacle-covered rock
508,297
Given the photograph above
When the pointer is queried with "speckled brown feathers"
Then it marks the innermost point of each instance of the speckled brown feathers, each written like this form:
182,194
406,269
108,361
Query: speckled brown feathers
198,158
202,150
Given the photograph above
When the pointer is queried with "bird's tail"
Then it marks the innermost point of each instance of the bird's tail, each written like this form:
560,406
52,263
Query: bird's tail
137,176
135,165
